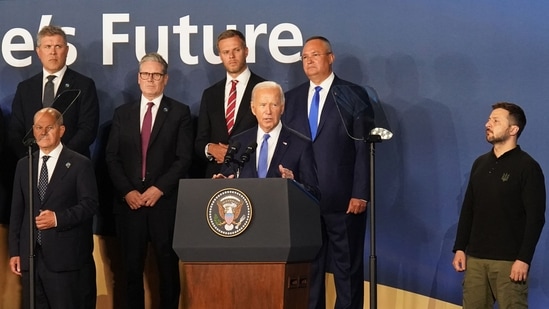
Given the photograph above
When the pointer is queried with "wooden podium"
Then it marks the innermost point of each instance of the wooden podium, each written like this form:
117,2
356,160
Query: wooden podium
261,261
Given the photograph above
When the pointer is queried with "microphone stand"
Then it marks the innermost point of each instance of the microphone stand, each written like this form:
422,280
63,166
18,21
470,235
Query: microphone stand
372,140
30,142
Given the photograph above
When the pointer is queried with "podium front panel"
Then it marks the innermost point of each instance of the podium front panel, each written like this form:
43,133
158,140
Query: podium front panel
284,226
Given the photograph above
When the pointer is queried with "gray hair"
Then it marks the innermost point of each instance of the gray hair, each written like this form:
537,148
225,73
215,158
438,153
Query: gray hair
270,85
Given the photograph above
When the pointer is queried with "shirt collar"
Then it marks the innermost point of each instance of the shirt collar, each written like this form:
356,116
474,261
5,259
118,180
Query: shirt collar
59,73
326,84
54,153
242,78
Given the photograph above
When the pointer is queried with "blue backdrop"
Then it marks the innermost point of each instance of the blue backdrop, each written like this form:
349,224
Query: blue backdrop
437,66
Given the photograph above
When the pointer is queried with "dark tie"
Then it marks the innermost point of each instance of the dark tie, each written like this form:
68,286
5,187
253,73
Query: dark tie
313,112
48,92
145,137
263,163
42,187
231,107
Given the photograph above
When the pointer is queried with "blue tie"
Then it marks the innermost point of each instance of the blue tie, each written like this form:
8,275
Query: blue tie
263,163
313,112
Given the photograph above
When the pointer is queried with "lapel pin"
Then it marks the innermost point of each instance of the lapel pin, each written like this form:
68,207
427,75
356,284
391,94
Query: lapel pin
68,164
165,109
67,85
285,143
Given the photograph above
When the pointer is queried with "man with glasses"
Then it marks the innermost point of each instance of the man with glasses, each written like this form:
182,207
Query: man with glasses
225,106
149,150
343,176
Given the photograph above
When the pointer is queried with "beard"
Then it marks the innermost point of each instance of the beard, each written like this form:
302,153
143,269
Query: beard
493,139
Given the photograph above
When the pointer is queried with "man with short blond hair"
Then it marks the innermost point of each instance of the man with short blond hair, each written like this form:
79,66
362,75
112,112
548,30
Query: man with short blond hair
224,108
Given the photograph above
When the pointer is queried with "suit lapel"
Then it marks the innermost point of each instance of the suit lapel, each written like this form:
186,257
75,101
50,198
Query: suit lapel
328,110
250,168
280,150
61,169
218,109
244,108
161,115
301,123
66,83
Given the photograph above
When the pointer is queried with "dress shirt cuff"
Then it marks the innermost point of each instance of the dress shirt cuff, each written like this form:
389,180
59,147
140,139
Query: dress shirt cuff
208,155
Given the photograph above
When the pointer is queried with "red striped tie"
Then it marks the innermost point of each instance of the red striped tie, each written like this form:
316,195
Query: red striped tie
231,107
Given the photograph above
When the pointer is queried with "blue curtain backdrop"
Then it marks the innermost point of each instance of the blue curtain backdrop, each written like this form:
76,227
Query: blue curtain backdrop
437,67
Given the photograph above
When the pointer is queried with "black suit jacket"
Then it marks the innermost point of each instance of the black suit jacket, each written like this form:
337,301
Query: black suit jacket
72,195
168,157
293,150
81,119
343,162
212,127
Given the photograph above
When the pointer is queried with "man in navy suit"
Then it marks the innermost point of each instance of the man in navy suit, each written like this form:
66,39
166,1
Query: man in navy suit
64,203
288,154
216,122
81,119
343,175
145,167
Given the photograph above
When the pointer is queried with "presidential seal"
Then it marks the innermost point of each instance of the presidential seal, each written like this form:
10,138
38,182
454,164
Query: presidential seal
229,212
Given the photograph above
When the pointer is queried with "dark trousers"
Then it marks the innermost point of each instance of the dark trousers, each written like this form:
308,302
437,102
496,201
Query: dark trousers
135,229
342,253
60,290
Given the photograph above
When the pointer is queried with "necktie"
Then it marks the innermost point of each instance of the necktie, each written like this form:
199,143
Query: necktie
42,186
145,137
48,92
263,163
231,107
313,112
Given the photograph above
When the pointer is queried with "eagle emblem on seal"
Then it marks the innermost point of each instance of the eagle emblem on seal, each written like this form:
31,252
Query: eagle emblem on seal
229,212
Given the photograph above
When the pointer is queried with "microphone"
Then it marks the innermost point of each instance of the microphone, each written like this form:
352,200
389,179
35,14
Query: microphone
245,157
231,151
62,103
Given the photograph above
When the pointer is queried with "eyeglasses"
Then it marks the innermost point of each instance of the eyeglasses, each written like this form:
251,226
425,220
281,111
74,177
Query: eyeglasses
313,56
147,75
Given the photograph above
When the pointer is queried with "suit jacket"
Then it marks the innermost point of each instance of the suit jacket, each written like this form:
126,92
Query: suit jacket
343,163
81,119
293,150
72,195
212,127
168,157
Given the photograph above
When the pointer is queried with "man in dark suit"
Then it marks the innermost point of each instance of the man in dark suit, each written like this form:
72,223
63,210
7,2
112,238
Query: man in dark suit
223,112
64,203
81,119
149,150
343,175
289,154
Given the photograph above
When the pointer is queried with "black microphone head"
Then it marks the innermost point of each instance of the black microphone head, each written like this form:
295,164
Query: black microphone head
231,150
251,148
236,146
245,157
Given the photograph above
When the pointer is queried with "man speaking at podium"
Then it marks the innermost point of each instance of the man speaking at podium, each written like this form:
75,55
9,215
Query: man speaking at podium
81,119
281,151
